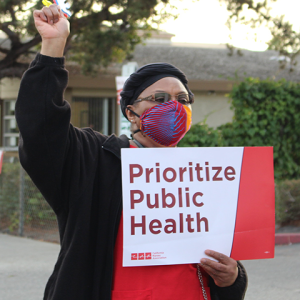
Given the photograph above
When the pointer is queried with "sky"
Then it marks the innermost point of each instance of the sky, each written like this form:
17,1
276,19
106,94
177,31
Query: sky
203,21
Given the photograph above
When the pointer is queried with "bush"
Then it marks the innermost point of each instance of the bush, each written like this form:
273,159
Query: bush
266,113
201,135
288,202
9,194
37,211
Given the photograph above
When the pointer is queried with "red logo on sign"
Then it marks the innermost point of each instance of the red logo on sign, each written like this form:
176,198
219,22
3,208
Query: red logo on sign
133,256
148,255
141,256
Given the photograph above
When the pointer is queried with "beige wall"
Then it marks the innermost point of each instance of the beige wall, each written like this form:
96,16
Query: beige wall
84,92
9,88
215,107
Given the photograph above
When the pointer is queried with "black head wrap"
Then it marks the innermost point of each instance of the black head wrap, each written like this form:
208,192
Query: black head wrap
146,76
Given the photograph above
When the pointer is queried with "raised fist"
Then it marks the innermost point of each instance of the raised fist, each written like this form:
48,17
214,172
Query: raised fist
51,23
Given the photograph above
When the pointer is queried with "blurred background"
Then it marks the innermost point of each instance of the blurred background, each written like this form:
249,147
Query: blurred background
240,56
241,59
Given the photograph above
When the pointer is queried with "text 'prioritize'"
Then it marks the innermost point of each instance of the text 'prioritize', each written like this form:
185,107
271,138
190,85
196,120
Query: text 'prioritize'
161,198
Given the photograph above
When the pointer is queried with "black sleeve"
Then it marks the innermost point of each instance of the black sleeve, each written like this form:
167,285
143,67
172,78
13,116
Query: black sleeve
49,146
234,292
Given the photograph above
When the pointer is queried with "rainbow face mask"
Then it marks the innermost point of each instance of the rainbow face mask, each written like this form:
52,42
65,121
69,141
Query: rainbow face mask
166,123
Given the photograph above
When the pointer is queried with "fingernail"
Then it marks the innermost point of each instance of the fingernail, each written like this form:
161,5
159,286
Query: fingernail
56,20
51,22
203,261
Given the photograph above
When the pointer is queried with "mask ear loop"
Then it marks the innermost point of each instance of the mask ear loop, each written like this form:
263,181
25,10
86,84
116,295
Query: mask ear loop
138,130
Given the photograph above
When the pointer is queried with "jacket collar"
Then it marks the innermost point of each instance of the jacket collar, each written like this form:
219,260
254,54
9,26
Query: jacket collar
115,144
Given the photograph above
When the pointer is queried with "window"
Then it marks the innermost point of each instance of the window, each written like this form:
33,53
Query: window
10,127
95,112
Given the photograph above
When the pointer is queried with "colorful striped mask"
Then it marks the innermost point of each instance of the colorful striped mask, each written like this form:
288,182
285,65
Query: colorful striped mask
166,123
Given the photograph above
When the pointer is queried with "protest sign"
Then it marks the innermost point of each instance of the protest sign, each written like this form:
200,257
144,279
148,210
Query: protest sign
178,202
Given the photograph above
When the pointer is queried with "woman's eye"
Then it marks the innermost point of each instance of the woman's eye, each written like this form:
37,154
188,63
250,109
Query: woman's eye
182,99
160,99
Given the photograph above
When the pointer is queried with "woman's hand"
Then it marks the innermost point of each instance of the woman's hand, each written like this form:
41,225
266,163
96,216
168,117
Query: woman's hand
53,28
224,271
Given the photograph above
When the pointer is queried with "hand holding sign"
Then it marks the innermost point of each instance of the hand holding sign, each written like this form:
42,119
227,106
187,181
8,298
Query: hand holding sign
224,271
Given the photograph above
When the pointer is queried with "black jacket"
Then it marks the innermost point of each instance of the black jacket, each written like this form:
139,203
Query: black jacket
78,171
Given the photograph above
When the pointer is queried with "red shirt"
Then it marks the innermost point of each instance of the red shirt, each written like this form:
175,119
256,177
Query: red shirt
171,282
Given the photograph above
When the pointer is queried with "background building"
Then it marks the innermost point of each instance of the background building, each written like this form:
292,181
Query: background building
211,69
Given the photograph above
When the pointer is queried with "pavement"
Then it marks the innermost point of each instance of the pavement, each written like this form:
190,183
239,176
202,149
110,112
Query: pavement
25,266
275,279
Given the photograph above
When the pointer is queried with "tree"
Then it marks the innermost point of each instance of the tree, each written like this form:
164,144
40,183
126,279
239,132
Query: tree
101,31
285,39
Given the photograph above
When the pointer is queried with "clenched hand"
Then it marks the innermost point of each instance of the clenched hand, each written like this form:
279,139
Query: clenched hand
53,28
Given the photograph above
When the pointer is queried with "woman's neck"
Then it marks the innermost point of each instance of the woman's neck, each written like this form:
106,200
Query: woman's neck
144,140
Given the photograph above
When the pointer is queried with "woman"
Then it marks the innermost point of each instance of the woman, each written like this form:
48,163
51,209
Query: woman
79,173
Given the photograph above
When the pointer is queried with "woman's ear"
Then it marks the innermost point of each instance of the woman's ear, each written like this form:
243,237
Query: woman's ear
130,115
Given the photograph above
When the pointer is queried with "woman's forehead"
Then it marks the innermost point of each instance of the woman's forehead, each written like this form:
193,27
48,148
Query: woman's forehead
169,85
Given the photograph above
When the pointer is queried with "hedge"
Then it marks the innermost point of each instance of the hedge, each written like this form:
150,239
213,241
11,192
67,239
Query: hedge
266,113
287,202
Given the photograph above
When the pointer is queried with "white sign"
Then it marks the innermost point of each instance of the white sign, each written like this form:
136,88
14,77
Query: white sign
178,202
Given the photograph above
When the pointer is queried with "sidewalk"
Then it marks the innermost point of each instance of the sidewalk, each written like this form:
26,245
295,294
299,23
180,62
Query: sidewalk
25,266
